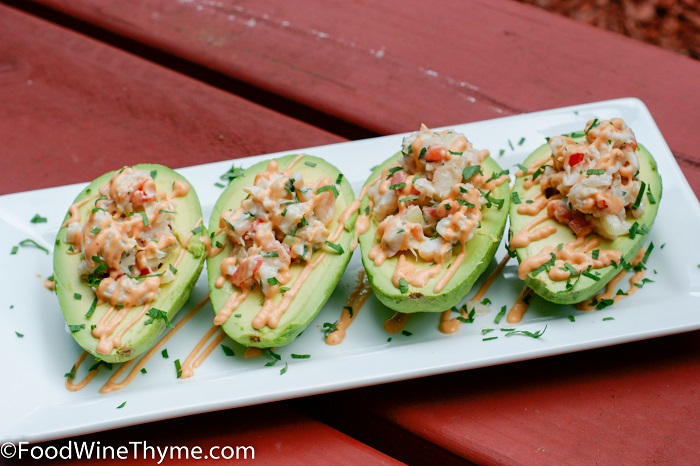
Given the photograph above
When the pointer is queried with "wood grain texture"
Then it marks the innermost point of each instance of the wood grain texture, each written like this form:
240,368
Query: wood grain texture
390,65
72,108
278,434
637,403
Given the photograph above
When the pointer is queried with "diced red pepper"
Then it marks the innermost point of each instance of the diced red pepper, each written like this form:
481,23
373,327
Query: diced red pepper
575,159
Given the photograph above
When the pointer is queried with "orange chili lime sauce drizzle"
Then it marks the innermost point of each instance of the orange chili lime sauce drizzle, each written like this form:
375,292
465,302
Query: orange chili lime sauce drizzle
252,352
519,308
74,387
199,353
449,324
451,270
396,323
490,279
234,300
355,302
111,384
74,210
612,284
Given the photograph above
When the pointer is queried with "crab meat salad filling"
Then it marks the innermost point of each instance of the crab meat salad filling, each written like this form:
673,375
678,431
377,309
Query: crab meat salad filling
593,184
126,239
430,201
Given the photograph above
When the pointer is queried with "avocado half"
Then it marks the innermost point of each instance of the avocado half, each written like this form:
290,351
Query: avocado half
480,250
584,287
319,284
76,297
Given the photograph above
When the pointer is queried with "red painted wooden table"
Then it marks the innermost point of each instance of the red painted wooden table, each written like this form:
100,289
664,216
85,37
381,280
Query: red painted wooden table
303,74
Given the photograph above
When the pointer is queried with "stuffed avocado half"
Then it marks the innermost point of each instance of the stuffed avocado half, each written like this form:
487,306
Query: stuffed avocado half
437,211
583,206
282,239
126,259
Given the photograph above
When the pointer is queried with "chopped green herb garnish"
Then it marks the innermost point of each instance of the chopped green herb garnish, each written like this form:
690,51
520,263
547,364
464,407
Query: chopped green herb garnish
489,338
603,303
403,285
273,281
501,152
406,333
393,170
595,253
465,203
409,198
569,268
329,328
121,405
638,229
587,273
38,219
595,171
522,140
593,125
70,375
351,312
178,368
30,242
470,170
608,318
516,198
92,309
14,250
640,194
76,328
219,185
271,254
300,356
164,353
339,178
329,187
397,186
227,351
526,333
309,163
19,335
77,296
144,371
650,196
572,318
233,173
423,151
284,369
500,315
336,247
282,289
621,293
510,144
172,269
154,314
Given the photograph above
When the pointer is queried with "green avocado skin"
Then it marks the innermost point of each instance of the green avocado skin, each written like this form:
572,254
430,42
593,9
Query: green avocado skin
317,287
171,296
479,254
585,288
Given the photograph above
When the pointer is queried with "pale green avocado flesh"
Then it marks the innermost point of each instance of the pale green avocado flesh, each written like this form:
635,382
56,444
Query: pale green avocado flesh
584,287
479,253
319,284
76,297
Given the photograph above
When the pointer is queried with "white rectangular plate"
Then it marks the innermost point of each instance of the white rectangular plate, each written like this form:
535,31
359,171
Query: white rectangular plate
35,405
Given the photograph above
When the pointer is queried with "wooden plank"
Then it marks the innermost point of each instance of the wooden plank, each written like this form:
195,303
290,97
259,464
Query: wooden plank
388,66
277,433
72,108
634,404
